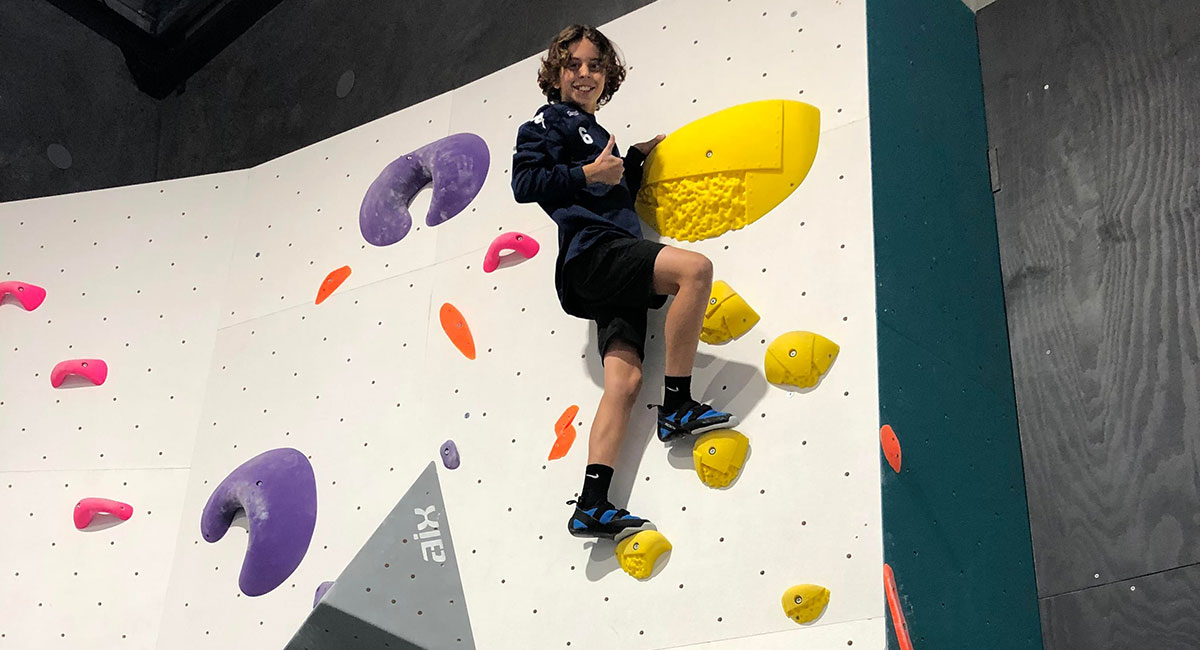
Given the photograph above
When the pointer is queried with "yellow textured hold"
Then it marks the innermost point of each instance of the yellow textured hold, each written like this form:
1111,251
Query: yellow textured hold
727,316
728,169
638,553
805,603
691,209
799,358
718,456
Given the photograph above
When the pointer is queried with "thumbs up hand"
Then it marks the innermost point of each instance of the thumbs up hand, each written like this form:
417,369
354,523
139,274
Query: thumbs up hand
606,168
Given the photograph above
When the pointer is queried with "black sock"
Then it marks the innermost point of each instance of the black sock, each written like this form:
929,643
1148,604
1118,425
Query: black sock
678,391
595,486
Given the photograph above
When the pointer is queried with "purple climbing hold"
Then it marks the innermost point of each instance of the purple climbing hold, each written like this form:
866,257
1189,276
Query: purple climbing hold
278,492
321,589
456,165
450,455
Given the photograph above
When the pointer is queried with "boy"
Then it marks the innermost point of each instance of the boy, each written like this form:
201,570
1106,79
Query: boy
606,271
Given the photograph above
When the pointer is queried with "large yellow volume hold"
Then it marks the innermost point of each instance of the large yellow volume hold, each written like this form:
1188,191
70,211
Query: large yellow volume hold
804,603
718,456
799,358
638,553
728,169
727,316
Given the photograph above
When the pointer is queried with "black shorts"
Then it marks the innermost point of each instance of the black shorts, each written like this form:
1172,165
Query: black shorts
612,283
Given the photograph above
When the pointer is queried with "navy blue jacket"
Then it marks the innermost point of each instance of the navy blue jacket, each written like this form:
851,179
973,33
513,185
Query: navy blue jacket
552,149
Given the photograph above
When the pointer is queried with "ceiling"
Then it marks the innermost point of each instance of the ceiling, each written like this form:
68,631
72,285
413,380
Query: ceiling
165,41
159,16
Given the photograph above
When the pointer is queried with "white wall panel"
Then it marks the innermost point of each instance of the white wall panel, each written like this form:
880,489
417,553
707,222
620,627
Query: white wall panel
343,383
301,216
98,588
691,59
841,636
133,277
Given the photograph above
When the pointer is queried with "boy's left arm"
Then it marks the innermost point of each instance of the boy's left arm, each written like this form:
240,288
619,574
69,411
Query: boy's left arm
635,159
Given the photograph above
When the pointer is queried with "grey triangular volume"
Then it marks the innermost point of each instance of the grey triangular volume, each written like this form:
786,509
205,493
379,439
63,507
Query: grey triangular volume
402,591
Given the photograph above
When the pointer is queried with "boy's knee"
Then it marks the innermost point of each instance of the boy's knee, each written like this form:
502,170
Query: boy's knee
627,384
631,384
622,370
702,269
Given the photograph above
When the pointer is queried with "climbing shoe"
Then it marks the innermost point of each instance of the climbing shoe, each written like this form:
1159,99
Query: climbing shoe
689,419
606,521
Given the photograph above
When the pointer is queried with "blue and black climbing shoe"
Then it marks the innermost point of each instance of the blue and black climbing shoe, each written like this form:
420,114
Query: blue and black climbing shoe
606,521
689,419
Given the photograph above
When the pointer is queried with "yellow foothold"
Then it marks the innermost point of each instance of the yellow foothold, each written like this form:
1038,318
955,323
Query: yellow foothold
638,553
799,358
727,316
805,603
728,169
719,455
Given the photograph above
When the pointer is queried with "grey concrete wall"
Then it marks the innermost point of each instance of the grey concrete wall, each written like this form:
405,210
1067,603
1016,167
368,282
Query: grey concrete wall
272,91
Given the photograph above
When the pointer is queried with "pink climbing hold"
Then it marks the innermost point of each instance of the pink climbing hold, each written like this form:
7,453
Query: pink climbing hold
523,244
94,370
90,507
30,295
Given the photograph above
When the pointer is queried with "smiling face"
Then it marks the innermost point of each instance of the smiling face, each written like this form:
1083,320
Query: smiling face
581,80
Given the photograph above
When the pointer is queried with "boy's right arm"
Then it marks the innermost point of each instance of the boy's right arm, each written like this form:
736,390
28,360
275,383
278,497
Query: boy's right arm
540,173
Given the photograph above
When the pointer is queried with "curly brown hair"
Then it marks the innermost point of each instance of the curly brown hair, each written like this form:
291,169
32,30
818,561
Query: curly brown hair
558,54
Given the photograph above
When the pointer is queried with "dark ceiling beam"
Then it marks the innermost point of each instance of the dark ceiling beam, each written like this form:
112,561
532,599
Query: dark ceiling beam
161,64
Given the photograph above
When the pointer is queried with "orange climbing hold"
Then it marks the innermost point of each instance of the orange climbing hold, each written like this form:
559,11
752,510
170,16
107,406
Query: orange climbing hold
456,328
332,281
564,433
891,447
566,419
562,443
893,599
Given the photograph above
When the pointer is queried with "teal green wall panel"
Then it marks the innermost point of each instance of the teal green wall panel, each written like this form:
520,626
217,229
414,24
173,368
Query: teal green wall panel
956,528
955,519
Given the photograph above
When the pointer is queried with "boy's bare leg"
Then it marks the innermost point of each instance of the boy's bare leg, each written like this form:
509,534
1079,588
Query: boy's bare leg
688,276
595,515
622,382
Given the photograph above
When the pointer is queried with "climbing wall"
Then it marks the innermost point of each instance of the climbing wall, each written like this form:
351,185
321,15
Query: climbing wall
133,277
368,386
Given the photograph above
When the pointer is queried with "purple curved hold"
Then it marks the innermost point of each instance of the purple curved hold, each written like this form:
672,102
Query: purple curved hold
456,165
278,492
450,455
321,589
